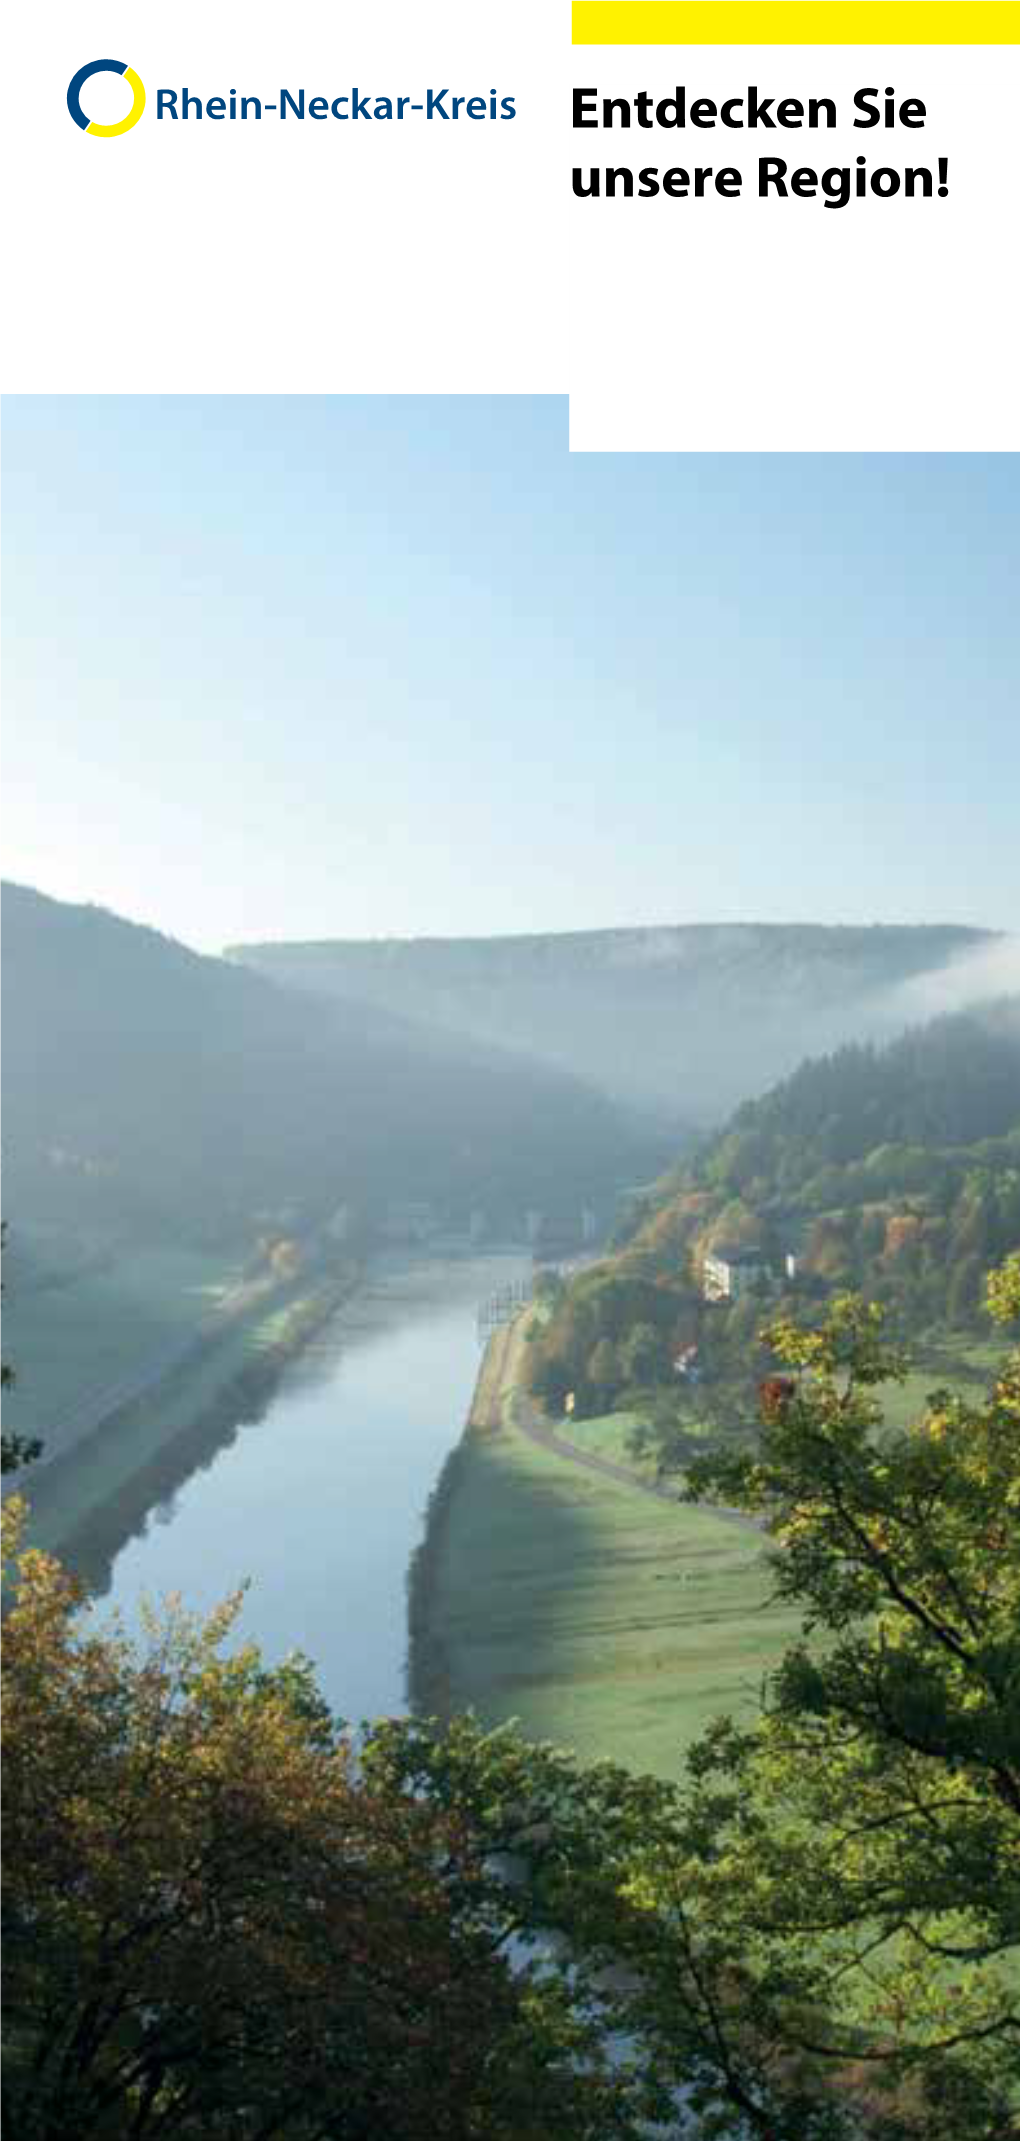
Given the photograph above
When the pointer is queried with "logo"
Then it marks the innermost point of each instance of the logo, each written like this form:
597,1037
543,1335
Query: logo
105,66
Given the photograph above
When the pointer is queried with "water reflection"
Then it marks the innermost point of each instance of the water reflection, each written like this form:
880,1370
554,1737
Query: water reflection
319,1502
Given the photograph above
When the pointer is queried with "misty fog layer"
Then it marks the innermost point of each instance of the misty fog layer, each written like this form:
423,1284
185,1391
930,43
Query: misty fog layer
688,1021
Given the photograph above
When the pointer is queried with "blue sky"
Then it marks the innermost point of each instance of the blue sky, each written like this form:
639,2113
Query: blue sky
303,667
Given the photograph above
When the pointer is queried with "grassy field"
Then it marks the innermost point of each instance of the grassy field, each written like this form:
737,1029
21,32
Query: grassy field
966,1368
607,1436
601,1617
100,1323
86,1502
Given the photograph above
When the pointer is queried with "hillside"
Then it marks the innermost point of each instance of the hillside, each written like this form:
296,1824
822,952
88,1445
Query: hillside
893,1169
160,1094
687,1020
890,1171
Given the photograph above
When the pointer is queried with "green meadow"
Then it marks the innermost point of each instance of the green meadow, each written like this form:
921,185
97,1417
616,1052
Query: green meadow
598,1615
965,1369
93,1324
595,1613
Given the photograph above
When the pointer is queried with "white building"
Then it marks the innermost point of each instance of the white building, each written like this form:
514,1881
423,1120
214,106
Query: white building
729,1274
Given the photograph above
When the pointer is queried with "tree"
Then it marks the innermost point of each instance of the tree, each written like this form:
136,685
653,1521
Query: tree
603,1373
15,1450
819,1934
664,1433
215,1923
890,1750
548,1378
549,1284
643,1356
743,1324
218,1923
963,1293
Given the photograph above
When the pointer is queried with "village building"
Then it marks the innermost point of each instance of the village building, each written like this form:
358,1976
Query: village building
729,1274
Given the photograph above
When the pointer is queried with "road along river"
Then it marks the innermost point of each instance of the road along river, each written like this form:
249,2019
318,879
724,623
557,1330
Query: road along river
321,1502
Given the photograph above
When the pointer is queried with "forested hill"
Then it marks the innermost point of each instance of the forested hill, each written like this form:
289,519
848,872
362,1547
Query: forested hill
891,1172
155,1091
895,1169
955,1081
690,1020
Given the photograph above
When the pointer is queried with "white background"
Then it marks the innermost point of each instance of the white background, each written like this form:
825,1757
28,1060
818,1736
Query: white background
340,257
753,324
289,256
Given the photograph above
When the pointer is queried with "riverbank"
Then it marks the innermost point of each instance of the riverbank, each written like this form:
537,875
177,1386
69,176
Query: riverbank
430,1686
555,1587
317,1503
89,1501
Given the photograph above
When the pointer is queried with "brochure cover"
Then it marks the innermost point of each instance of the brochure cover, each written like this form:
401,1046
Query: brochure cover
511,1072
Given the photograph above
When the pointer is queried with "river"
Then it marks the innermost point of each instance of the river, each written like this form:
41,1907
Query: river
320,1504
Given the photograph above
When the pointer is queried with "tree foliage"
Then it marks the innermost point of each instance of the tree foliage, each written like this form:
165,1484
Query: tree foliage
220,1919
890,1749
215,1923
15,1450
608,1332
891,1171
819,1932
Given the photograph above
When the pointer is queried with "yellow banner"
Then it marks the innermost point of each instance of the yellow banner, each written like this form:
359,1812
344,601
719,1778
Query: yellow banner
796,22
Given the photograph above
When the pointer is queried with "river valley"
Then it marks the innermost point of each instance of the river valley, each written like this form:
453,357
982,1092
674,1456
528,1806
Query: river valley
320,1503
